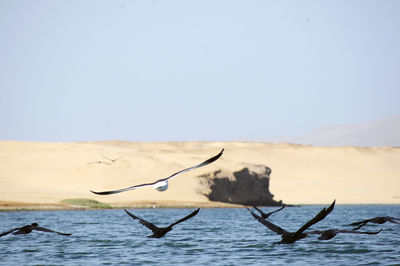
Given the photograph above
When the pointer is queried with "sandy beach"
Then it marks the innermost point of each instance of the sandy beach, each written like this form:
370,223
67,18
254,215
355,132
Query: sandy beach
43,174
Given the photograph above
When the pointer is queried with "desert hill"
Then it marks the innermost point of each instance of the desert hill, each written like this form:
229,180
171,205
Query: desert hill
46,173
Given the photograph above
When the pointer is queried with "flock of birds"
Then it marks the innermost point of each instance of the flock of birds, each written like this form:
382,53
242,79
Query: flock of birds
286,236
103,162
291,237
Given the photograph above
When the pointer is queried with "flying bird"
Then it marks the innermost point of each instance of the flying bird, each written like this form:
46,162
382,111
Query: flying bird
112,160
99,162
331,233
29,228
291,237
160,231
161,184
376,220
266,215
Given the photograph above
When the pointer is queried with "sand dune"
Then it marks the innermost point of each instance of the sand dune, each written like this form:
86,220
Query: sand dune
47,173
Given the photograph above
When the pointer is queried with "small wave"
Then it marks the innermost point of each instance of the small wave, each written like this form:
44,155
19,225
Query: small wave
30,250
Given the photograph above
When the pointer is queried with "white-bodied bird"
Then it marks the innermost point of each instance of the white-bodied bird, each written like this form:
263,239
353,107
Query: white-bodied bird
161,184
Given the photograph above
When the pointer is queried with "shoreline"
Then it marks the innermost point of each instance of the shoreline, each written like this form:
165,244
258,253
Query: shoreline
40,175
6,206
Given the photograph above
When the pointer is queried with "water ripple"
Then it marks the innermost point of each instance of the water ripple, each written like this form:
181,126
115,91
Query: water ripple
214,236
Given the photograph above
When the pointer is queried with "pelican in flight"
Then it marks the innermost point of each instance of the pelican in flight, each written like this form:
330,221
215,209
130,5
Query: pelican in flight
376,220
266,215
331,233
29,228
161,184
291,237
160,231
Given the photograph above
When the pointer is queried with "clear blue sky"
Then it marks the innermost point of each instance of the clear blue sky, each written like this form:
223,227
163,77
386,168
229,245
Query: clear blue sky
194,70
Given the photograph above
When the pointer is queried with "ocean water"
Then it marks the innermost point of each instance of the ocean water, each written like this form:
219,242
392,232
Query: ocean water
213,237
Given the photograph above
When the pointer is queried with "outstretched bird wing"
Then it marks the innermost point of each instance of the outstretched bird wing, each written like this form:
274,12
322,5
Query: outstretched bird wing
266,215
362,222
337,231
212,159
393,220
112,160
123,189
50,231
7,232
99,162
268,224
375,220
319,217
149,225
185,218
208,161
359,226
358,232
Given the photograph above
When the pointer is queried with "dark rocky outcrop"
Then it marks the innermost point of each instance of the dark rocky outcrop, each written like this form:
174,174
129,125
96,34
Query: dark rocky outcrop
248,186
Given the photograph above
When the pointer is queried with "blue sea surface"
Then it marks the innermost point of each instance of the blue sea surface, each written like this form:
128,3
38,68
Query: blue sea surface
213,237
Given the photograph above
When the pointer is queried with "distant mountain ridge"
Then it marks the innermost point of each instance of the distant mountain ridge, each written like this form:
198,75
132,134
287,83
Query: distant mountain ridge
383,132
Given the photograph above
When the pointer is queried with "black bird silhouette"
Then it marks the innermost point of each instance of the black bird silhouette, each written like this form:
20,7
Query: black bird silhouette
160,231
29,228
161,184
376,220
291,237
266,215
112,160
331,233
99,162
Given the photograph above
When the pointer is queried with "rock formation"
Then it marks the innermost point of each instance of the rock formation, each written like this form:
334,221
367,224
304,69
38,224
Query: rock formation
248,186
